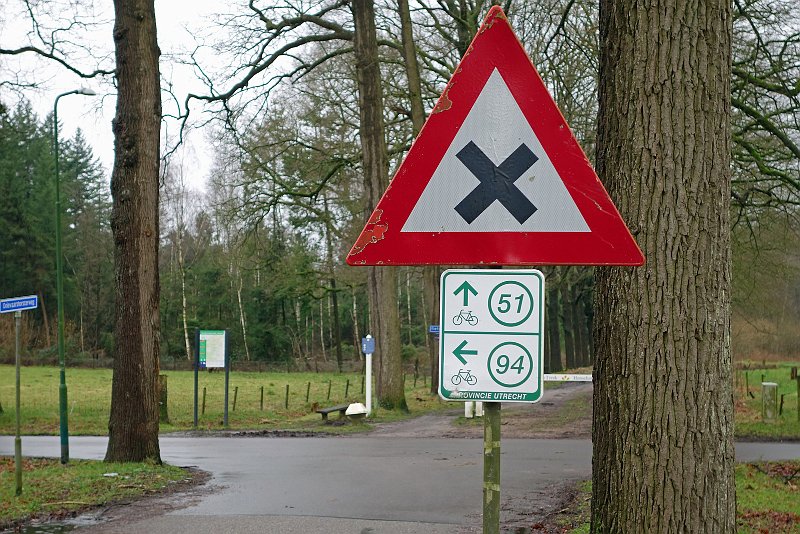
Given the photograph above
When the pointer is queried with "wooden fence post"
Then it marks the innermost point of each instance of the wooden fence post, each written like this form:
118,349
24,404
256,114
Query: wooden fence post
769,401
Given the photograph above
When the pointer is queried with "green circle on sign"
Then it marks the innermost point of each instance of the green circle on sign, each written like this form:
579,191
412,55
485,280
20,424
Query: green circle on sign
510,303
510,364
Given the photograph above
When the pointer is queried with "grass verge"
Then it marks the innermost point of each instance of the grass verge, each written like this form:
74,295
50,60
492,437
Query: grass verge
52,490
767,497
257,401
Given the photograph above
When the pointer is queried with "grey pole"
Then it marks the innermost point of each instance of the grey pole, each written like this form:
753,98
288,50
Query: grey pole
17,439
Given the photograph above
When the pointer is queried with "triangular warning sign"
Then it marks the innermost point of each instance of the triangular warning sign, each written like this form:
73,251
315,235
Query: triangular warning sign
495,177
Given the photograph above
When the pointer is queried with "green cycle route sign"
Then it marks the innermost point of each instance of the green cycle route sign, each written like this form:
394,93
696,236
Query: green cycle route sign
491,341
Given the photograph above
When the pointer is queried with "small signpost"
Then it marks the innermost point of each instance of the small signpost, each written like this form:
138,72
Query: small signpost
368,348
17,305
211,352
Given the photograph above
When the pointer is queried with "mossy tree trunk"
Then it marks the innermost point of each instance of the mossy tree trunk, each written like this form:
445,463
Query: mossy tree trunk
133,423
663,405
381,281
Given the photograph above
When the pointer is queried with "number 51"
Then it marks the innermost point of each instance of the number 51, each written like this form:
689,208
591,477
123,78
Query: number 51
504,304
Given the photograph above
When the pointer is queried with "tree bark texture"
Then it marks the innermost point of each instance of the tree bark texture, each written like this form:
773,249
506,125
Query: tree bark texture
334,293
569,330
663,404
381,281
553,331
133,423
579,327
575,320
430,275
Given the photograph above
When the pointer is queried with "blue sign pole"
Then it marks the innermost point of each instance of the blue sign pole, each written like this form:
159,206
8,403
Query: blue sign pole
16,305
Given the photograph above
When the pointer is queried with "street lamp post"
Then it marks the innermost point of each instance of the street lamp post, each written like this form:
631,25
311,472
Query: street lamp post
62,387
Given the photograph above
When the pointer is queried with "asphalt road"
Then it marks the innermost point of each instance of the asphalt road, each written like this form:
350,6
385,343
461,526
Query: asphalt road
356,484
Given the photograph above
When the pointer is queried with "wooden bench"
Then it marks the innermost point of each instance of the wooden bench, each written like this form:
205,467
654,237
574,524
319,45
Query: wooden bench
341,408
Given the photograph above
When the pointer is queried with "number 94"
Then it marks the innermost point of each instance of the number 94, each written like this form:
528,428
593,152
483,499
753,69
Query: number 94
503,363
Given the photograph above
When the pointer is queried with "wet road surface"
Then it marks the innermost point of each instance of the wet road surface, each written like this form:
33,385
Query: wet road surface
368,485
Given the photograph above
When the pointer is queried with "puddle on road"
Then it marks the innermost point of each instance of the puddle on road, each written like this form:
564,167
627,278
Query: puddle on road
56,527
46,528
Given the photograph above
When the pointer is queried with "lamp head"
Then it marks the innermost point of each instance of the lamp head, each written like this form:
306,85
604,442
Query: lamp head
85,91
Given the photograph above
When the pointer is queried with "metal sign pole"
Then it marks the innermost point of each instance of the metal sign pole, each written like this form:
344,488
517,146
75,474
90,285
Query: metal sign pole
196,369
17,439
227,376
491,468
17,305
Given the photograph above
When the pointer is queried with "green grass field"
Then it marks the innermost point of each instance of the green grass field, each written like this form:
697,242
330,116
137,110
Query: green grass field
89,398
748,408
51,488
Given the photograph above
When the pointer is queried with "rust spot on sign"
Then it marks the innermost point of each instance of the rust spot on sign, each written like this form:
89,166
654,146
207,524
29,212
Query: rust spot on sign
374,231
444,103
495,13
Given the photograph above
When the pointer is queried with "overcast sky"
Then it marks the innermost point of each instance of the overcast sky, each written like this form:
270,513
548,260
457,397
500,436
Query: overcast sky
177,27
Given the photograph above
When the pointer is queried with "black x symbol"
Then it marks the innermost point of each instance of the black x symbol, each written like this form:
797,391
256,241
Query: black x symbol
497,183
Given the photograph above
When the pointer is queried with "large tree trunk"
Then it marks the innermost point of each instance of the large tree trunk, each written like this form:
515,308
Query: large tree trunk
381,281
334,295
579,325
553,331
430,273
663,405
569,330
133,424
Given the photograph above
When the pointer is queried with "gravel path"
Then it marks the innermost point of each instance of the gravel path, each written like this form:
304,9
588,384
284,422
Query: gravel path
564,412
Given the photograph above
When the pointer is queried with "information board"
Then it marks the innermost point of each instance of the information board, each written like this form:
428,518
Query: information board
212,349
491,342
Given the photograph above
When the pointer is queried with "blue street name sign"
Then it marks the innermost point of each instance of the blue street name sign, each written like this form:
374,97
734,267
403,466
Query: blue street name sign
433,329
31,302
368,345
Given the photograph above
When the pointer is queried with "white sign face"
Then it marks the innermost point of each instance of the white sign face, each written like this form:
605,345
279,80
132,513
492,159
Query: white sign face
491,340
212,348
495,134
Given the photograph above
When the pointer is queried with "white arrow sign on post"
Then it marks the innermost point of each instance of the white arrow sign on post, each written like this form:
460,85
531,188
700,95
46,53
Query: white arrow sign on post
491,341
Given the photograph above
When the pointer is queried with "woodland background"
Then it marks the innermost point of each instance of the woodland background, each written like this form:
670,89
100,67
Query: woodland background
260,251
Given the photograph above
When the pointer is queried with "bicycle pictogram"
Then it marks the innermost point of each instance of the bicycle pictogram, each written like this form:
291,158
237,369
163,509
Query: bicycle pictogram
465,315
466,376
